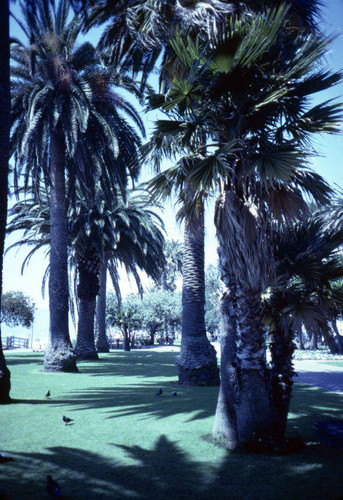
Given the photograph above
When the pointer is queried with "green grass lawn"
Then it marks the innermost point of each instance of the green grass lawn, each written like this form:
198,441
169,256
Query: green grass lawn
334,363
125,443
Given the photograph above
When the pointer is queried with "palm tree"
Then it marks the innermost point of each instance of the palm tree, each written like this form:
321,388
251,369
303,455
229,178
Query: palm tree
174,256
120,231
63,97
173,251
252,108
139,31
5,110
305,294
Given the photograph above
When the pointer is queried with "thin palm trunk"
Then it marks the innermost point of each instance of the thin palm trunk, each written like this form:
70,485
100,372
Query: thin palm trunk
282,372
5,112
59,356
87,290
225,423
313,340
197,363
101,342
126,337
338,338
301,340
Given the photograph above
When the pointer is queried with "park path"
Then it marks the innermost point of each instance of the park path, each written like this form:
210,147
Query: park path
319,374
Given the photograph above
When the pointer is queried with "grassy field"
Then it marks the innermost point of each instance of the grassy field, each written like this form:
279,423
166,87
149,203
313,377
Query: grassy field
334,363
125,443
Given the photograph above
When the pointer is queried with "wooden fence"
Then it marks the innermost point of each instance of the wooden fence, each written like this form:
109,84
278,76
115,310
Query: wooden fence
14,343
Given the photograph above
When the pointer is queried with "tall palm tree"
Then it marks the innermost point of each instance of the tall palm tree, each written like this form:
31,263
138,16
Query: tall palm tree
253,109
153,23
5,110
121,231
63,97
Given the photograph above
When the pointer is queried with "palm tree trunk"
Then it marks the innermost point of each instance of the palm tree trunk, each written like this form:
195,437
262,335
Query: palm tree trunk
313,344
126,338
329,340
5,113
282,371
254,409
338,338
101,342
87,289
59,356
301,340
197,363
225,422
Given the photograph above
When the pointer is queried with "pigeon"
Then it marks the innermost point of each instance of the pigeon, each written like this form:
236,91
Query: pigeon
52,487
159,392
5,458
67,420
47,395
174,393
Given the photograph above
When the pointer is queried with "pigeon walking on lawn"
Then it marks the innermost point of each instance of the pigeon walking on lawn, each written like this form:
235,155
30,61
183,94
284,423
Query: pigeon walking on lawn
52,487
159,393
67,420
174,393
47,395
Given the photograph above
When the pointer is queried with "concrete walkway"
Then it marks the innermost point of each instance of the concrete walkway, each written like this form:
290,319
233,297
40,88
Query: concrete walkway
319,374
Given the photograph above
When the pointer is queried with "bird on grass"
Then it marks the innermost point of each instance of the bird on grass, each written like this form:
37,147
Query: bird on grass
174,393
67,420
52,487
159,392
47,395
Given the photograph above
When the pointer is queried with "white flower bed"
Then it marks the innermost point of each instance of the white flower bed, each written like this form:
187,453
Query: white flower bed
320,355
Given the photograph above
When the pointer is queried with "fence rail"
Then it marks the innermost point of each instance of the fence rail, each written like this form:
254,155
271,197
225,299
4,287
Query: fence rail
15,343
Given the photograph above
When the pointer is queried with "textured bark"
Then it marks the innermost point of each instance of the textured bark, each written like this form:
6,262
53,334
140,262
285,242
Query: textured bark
282,372
225,422
5,112
254,408
87,290
59,355
85,346
101,341
197,363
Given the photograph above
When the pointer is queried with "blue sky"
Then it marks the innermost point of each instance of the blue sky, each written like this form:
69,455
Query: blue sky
328,163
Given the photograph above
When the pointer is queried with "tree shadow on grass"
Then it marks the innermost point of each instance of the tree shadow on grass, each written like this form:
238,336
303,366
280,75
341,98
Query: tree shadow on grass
167,472
22,358
140,399
142,363
331,381
310,405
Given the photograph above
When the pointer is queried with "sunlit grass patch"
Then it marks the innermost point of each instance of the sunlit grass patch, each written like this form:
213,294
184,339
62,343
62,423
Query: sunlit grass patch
124,442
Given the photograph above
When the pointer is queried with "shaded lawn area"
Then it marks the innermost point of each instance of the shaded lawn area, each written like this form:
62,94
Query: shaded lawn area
125,443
